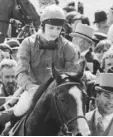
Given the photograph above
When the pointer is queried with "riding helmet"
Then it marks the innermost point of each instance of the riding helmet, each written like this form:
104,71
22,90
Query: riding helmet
54,15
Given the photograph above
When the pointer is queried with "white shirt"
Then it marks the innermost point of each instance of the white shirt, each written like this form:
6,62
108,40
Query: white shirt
105,120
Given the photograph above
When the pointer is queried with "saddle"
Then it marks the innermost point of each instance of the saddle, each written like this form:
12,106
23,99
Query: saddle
19,125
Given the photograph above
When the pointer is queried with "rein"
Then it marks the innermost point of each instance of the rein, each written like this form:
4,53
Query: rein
64,126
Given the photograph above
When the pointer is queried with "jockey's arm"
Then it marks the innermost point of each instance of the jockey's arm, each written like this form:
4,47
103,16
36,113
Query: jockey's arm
23,78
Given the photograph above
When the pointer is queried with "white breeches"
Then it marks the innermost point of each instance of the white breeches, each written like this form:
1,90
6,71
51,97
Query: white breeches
23,104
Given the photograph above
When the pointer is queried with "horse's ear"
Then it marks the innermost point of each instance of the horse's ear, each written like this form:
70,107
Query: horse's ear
56,74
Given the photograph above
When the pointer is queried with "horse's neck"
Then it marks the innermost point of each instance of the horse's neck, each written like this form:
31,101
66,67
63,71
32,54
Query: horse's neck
5,15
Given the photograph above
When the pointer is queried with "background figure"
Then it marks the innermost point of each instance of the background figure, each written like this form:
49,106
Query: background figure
107,60
101,48
100,120
14,45
8,80
98,36
101,21
79,19
5,51
80,7
82,37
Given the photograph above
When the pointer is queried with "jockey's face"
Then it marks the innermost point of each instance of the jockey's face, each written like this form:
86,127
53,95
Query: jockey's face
52,32
105,103
8,79
108,64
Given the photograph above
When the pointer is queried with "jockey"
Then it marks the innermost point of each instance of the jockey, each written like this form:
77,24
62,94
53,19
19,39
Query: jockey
36,54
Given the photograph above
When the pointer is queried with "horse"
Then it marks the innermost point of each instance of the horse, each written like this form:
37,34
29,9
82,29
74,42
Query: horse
59,111
22,10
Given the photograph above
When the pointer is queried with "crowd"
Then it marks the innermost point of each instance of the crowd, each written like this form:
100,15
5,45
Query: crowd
64,38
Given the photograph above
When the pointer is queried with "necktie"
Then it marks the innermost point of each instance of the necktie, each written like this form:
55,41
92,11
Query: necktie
100,127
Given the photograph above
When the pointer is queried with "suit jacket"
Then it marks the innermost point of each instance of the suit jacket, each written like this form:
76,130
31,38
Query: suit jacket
92,125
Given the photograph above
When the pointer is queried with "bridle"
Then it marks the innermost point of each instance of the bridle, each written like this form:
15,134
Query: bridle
64,125
24,15
22,12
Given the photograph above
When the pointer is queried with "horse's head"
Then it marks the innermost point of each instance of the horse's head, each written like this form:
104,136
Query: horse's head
69,102
24,11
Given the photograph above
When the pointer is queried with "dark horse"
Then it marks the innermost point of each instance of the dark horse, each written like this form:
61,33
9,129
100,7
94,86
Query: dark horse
22,10
59,111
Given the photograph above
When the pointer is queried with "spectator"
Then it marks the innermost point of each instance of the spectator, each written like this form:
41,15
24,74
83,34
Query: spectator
14,45
8,79
101,21
5,51
101,48
107,60
82,37
98,36
69,7
85,20
100,120
79,19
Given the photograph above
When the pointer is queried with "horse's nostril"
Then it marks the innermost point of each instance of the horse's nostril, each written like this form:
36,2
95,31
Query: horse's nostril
79,134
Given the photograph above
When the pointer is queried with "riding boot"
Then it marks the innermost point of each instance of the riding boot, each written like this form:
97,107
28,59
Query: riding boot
6,116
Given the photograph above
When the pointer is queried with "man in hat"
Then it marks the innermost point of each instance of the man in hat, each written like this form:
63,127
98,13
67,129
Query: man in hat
101,21
100,120
69,7
82,38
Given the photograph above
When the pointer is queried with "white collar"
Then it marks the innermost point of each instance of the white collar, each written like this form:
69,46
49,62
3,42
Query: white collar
108,117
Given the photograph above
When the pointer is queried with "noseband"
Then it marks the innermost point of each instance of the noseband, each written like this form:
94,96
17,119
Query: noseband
64,125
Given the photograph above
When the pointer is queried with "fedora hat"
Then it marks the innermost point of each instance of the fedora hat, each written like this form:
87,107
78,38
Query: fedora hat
83,31
99,16
105,82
